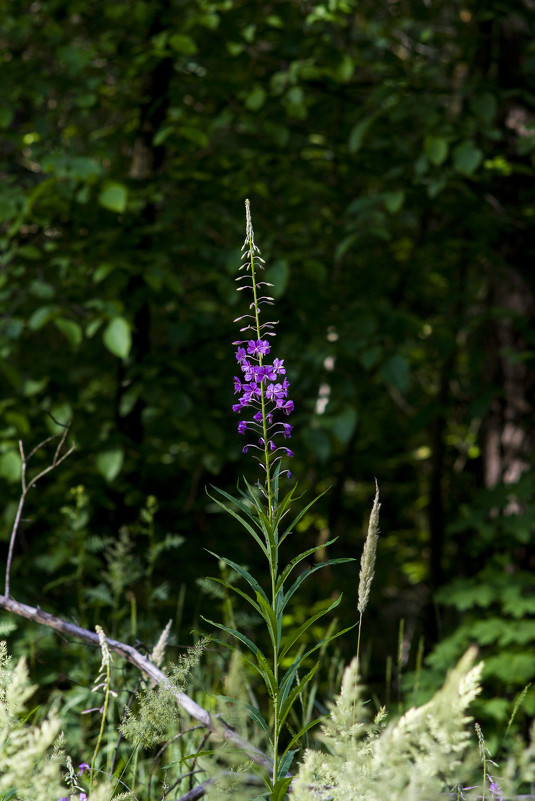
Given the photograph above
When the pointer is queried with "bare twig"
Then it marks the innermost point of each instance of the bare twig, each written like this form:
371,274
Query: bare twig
128,652
58,458
200,789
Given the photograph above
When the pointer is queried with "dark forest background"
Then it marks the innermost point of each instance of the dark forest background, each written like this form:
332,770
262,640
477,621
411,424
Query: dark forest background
388,150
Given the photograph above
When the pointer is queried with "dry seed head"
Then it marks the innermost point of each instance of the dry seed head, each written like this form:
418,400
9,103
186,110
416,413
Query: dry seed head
158,651
367,561
105,651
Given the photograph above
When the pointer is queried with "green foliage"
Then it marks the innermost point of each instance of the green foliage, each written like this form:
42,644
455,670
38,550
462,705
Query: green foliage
30,758
157,712
390,154
413,758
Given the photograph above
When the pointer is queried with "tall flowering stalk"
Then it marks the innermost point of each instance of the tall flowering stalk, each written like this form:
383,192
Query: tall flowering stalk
263,386
263,405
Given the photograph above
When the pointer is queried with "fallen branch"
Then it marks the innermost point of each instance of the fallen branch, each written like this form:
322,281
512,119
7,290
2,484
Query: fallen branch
217,727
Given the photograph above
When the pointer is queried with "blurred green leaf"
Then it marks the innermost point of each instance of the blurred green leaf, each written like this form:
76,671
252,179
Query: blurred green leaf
109,463
114,197
117,337
436,149
467,158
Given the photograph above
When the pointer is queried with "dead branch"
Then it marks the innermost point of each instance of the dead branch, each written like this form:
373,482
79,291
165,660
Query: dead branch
218,728
57,459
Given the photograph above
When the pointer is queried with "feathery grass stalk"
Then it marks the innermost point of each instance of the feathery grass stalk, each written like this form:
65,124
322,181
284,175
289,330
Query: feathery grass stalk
367,562
102,681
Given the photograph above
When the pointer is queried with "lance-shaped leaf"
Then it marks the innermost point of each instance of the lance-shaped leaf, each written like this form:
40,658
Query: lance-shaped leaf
253,583
289,701
296,635
254,713
305,574
247,526
303,512
237,590
299,558
287,679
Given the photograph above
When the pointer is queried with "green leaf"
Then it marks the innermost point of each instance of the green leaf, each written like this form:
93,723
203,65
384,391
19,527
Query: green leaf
484,106
10,466
278,793
182,44
269,616
299,558
109,463
303,512
253,583
238,517
298,736
467,158
264,669
253,711
394,200
255,99
288,677
296,634
113,197
238,635
117,337
396,372
343,424
358,134
436,149
42,316
289,702
6,117
70,330
308,572
237,590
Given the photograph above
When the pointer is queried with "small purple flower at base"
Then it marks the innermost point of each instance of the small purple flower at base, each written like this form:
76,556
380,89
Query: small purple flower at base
82,767
237,385
278,366
496,791
242,427
287,407
245,449
241,354
287,430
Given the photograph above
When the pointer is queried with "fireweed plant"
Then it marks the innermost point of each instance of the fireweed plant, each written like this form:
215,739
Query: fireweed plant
264,406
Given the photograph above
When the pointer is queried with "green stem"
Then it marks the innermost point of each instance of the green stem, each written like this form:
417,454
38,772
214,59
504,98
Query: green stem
274,570
260,359
102,725
358,639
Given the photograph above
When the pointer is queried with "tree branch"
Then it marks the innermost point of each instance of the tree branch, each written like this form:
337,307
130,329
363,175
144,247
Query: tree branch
217,727
26,487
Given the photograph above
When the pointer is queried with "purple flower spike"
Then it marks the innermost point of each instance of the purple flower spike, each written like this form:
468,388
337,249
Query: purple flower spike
263,388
